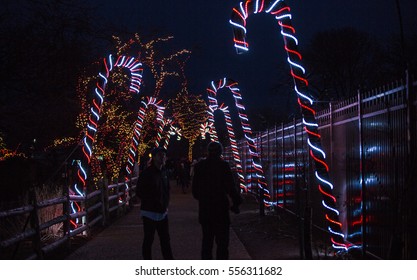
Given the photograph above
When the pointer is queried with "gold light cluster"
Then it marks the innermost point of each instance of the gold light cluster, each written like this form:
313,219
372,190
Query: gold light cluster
115,129
190,111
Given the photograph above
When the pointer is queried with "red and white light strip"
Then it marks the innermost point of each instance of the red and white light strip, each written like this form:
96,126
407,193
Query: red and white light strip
233,144
281,11
137,130
244,121
172,130
136,70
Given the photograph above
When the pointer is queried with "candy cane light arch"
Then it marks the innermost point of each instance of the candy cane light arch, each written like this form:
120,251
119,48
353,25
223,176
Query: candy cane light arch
230,131
79,188
281,12
244,121
137,130
171,130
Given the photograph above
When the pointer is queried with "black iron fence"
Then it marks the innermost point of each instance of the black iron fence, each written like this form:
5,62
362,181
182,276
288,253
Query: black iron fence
371,146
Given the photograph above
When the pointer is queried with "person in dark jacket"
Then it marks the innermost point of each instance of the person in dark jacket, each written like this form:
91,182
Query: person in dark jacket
153,191
212,186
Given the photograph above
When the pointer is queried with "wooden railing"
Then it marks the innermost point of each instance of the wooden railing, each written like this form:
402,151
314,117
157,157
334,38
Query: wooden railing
102,205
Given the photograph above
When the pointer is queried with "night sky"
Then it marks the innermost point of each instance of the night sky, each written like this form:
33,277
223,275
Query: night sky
203,27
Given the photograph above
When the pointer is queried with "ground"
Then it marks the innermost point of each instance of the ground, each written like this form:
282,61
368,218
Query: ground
275,235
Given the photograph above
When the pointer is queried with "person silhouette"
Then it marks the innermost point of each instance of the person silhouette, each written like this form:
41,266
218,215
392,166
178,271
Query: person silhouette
213,184
153,191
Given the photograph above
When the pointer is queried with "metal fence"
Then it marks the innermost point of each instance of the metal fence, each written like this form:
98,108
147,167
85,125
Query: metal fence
370,142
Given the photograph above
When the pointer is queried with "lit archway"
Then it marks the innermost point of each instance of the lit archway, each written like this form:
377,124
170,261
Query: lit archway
137,130
281,11
135,68
244,121
170,130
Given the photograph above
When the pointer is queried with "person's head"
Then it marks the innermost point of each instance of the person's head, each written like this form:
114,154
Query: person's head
214,149
159,157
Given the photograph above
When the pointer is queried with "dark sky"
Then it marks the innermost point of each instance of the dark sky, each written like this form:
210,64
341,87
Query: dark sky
203,27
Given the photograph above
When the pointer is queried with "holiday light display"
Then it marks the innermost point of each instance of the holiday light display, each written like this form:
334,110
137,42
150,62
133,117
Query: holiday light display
171,130
115,130
281,11
161,68
244,121
135,67
137,130
6,153
189,111
233,145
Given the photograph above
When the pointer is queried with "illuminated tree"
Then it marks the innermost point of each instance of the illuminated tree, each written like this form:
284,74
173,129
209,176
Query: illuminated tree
160,67
6,153
3,150
149,130
189,111
119,112
2,144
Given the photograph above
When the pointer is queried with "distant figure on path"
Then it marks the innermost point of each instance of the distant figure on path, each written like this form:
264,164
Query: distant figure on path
153,191
212,186
183,174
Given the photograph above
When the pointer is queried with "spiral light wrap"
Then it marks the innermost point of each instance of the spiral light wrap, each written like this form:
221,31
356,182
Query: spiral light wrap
137,130
172,130
233,144
209,126
134,66
281,12
244,121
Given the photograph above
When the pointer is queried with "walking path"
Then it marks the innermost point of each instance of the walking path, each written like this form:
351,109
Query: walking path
122,240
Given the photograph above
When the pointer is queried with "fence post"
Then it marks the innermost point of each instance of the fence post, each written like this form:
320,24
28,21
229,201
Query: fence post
268,166
86,218
284,193
261,191
362,174
105,201
298,196
34,223
411,194
274,162
66,213
308,211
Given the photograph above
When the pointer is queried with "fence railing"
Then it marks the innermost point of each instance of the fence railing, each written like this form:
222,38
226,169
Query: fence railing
101,206
370,140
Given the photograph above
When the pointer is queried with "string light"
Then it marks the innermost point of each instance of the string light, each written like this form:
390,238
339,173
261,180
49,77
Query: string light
282,14
134,66
189,111
138,126
210,128
171,130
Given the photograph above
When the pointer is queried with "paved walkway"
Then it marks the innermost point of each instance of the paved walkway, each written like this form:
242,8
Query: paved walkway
122,240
